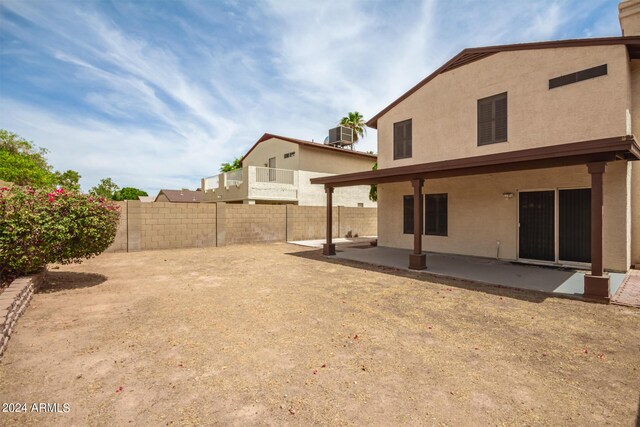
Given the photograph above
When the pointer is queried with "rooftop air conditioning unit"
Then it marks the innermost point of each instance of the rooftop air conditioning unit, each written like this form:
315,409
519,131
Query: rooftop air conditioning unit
340,136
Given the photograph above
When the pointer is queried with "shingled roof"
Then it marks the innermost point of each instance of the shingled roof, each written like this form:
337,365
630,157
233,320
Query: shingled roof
181,196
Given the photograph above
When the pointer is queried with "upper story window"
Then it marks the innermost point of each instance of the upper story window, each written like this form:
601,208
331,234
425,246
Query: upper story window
578,76
492,119
402,140
291,154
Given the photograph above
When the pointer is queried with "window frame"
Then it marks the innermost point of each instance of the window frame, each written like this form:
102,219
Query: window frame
437,198
579,76
493,99
407,202
404,148
407,214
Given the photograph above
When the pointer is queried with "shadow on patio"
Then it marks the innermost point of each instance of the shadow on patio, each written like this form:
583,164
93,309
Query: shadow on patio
503,278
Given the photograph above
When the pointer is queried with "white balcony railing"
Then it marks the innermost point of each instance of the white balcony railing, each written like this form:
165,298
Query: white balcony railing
275,176
233,177
252,181
211,182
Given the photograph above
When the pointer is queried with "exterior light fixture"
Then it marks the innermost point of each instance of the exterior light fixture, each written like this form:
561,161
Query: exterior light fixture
507,196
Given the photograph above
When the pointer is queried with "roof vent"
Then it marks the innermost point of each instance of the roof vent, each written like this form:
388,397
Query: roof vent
340,136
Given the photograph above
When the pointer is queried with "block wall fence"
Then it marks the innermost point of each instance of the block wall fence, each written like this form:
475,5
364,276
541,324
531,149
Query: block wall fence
162,225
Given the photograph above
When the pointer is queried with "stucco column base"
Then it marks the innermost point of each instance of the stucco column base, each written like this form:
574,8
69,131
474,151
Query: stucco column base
418,262
329,249
597,286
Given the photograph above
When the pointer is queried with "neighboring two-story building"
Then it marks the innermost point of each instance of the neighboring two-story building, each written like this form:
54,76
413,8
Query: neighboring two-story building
522,152
278,170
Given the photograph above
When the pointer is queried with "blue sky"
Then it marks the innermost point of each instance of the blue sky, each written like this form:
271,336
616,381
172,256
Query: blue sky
156,94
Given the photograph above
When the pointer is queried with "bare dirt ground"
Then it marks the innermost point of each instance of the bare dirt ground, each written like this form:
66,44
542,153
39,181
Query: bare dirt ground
276,334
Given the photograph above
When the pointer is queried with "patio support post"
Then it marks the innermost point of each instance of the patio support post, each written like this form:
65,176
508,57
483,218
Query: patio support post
329,248
596,284
417,260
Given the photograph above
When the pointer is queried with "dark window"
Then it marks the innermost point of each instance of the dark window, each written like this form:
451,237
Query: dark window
408,214
589,73
436,223
402,140
492,119
291,154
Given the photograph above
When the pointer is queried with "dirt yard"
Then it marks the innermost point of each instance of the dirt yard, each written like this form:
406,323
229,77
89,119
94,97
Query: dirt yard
276,334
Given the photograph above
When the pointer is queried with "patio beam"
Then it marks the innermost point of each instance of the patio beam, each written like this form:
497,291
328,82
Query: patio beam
417,260
329,248
596,284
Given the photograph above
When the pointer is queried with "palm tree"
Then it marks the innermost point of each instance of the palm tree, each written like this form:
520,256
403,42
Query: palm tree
356,122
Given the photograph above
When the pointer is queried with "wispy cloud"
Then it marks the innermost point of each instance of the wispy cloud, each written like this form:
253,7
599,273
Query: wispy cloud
158,95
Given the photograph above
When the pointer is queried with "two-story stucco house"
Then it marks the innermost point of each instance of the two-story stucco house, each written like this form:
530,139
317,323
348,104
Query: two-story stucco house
522,152
278,170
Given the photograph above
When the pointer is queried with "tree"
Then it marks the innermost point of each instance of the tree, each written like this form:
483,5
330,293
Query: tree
22,163
24,170
128,193
228,167
105,189
69,180
373,191
356,122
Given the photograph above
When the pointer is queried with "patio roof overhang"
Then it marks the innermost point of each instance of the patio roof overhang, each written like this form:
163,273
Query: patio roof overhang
594,154
575,153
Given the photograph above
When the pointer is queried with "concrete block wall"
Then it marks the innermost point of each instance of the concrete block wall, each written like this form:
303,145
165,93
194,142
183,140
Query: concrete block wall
160,225
309,222
175,225
120,242
251,223
360,221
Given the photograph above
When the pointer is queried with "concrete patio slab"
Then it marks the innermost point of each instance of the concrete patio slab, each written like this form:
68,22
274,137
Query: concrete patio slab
484,270
317,243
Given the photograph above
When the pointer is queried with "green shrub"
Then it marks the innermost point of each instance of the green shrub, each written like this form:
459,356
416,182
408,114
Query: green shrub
39,227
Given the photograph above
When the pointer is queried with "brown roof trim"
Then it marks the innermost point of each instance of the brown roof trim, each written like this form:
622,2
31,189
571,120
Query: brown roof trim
470,55
608,149
268,136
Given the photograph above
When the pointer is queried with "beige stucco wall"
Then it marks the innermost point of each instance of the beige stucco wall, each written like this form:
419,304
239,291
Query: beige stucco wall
314,195
479,215
444,111
333,162
274,148
635,214
635,166
629,16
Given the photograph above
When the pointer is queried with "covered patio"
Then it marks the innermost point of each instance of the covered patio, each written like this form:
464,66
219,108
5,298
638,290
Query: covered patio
489,271
594,155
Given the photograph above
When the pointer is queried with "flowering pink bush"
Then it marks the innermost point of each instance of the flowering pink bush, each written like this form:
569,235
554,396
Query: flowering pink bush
39,227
